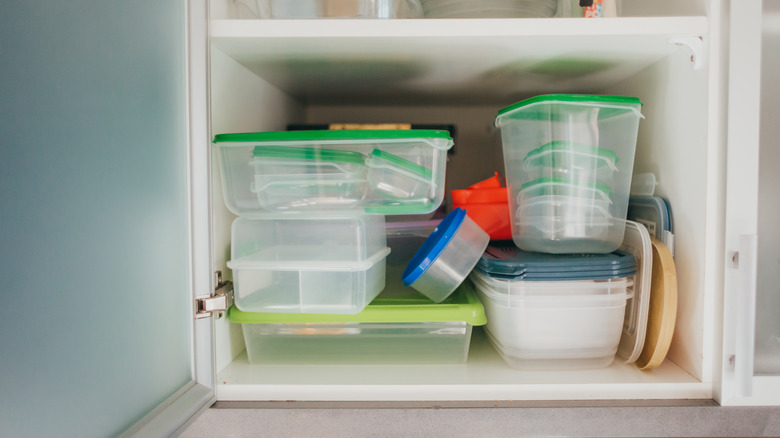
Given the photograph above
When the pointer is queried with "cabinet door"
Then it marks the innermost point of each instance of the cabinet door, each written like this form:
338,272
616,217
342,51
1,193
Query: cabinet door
751,331
102,217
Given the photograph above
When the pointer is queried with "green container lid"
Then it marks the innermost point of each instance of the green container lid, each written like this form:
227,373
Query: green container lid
553,179
462,305
612,106
403,163
565,146
309,154
325,135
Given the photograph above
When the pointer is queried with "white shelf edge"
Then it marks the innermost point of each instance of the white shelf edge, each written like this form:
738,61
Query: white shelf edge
535,27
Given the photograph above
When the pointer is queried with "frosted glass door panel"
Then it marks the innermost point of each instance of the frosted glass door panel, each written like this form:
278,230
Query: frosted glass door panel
95,314
767,360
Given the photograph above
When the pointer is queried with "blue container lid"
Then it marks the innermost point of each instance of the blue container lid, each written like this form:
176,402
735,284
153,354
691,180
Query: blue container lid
652,212
433,246
505,260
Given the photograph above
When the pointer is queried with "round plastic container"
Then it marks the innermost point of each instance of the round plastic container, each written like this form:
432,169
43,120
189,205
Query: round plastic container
575,123
397,177
446,257
489,8
554,324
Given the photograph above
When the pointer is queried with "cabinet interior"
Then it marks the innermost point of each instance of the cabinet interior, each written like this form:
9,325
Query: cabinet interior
267,74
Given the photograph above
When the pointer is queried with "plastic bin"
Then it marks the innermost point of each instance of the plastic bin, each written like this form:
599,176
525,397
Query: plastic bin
395,172
571,145
394,329
308,264
554,324
489,8
294,9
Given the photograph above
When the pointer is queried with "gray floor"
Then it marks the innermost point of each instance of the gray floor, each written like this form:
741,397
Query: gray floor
312,420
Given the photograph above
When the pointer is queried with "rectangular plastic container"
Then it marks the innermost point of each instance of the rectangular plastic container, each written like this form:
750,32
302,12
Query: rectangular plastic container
404,327
569,160
308,263
394,172
295,9
554,324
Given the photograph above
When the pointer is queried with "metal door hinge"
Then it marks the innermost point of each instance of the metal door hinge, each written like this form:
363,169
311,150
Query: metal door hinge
218,303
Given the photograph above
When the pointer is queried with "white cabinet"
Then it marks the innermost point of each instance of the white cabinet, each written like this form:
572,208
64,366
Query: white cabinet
675,58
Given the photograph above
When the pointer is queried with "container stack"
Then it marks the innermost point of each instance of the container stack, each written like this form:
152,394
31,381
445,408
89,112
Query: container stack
310,246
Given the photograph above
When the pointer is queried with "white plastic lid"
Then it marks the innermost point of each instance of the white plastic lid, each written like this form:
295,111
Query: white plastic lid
637,242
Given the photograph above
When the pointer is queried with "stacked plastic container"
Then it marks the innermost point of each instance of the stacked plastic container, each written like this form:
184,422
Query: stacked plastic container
310,247
569,160
557,298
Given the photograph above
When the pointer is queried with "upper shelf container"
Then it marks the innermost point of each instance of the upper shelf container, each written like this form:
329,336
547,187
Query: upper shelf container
445,61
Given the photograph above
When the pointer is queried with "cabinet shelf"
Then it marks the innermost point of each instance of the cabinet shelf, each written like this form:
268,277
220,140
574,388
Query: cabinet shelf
485,377
476,61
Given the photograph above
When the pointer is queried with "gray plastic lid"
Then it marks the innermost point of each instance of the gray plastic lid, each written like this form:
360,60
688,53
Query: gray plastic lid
505,260
652,212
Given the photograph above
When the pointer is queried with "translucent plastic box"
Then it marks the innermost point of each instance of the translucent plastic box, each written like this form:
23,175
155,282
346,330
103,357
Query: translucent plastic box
554,324
298,263
393,172
579,149
296,9
489,8
399,327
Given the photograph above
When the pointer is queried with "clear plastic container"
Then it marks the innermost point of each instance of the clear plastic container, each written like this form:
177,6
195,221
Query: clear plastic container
489,8
447,256
407,329
577,163
599,123
308,264
396,177
557,324
329,171
296,9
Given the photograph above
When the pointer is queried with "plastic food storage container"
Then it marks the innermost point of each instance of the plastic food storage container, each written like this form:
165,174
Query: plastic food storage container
563,310
392,329
578,163
554,324
446,257
404,240
393,172
571,145
298,263
294,9
489,8
486,204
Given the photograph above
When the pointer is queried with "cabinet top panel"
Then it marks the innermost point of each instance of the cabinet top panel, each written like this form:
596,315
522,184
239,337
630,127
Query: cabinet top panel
475,61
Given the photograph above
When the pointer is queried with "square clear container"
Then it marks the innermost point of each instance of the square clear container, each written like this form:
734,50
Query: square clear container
308,263
574,324
392,329
573,123
390,172
297,9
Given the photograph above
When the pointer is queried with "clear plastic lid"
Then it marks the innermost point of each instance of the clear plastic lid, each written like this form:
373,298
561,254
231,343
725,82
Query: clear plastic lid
637,242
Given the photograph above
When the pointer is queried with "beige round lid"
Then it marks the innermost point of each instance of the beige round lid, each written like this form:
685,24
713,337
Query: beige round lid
663,308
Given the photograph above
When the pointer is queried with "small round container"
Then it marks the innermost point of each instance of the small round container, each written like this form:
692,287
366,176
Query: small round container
446,257
396,177
579,163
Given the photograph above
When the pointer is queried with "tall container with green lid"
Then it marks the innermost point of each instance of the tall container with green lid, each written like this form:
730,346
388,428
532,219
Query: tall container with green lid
569,160
384,172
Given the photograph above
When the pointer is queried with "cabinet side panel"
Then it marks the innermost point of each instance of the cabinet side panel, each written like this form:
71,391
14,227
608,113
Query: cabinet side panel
240,102
673,145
